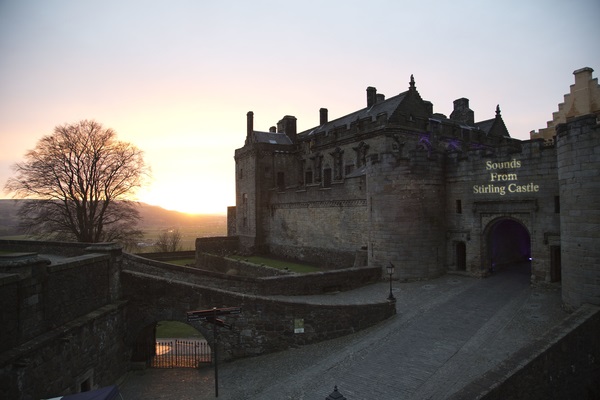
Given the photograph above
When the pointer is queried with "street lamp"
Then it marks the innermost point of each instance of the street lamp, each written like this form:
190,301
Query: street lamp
390,270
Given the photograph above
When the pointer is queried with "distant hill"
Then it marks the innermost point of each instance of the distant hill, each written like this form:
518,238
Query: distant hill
8,217
152,217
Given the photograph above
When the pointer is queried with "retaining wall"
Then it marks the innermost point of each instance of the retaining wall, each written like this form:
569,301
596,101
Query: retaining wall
267,281
564,364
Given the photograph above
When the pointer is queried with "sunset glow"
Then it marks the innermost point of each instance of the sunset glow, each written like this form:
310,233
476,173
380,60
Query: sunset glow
176,79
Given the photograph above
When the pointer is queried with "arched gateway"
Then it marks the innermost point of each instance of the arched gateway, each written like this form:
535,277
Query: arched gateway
507,242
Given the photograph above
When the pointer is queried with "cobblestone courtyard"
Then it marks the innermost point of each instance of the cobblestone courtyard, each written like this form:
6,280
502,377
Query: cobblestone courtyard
447,332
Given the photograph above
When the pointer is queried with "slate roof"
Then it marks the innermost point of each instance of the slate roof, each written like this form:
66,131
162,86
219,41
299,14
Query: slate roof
271,137
486,125
387,106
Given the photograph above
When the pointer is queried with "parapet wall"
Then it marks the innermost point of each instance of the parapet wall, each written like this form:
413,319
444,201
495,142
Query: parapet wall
87,352
564,364
65,249
38,296
61,322
255,279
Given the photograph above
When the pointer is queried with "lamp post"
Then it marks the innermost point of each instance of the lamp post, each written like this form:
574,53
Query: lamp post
390,270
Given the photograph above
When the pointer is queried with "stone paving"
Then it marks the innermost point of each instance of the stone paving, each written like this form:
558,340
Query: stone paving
447,332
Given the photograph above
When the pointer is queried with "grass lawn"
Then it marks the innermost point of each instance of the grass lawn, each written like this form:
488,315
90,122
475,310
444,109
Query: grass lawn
175,329
279,264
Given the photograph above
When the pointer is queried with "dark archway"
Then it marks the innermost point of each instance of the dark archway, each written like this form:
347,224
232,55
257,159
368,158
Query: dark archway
171,344
508,245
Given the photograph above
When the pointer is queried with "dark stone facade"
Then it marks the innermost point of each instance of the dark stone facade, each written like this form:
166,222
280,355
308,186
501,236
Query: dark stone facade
62,327
427,193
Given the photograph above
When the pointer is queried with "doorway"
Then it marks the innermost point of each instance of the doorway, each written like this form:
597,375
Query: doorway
555,264
508,246
461,256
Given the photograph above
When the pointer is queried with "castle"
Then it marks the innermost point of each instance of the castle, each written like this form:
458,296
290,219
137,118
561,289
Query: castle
396,183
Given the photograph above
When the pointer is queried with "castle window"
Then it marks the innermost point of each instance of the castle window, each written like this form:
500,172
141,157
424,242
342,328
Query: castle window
318,160
556,204
361,154
327,177
280,181
458,206
337,163
308,177
241,173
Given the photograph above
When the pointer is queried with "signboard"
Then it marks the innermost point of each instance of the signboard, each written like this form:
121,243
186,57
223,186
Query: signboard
299,325
211,315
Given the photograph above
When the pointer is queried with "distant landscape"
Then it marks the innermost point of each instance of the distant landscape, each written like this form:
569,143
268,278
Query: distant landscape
154,220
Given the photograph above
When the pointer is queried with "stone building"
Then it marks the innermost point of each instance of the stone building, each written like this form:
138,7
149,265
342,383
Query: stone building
395,182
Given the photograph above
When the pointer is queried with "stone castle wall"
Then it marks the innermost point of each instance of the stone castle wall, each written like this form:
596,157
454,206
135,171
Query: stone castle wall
517,181
61,327
578,144
406,215
323,226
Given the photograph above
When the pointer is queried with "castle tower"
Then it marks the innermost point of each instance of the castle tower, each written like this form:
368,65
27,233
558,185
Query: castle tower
578,142
406,213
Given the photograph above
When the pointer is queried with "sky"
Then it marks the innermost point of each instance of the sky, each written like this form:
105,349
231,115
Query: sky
176,78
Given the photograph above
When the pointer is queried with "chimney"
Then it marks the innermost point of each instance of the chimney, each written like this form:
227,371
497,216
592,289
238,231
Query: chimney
583,76
323,116
272,129
371,96
462,112
380,97
287,125
249,123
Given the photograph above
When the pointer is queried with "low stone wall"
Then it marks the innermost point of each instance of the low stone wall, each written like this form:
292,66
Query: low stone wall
41,296
232,266
166,256
218,245
265,324
65,249
326,258
564,364
268,281
87,352
320,282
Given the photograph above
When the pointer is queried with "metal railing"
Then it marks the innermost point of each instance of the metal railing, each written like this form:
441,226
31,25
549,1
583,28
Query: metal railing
175,353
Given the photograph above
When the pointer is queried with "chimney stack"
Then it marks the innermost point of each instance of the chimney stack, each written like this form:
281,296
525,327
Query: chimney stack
323,119
287,125
462,112
371,96
249,123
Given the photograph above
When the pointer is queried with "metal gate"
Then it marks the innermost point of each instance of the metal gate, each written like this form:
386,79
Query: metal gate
175,353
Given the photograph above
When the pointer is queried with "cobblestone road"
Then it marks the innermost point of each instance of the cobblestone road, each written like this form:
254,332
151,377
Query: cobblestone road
447,332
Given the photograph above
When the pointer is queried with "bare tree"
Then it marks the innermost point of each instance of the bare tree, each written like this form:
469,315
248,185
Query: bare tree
78,181
168,241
